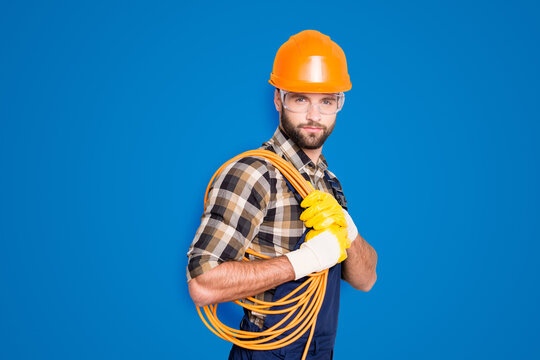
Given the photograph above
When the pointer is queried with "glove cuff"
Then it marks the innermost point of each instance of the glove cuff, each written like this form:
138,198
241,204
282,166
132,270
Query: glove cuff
352,231
303,262
318,253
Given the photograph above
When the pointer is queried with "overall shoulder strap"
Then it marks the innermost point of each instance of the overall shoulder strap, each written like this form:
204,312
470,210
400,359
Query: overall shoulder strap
337,190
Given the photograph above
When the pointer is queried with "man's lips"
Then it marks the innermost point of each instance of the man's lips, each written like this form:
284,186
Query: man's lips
312,129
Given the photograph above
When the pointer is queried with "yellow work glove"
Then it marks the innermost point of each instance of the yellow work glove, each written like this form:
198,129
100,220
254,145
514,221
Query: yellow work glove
322,211
340,234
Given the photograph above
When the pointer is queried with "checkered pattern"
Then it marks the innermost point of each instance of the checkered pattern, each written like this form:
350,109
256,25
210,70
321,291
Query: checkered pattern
250,205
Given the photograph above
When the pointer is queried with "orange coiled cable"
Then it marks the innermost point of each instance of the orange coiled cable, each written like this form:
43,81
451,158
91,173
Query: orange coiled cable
306,305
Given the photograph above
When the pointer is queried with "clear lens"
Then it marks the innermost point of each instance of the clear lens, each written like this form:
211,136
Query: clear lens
300,103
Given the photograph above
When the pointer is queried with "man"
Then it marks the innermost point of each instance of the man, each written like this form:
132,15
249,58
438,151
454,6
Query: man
252,205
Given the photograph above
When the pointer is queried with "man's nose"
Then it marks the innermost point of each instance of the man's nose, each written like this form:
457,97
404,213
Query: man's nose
313,113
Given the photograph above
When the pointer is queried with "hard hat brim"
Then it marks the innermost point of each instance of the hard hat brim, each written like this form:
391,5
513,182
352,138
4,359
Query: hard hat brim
308,87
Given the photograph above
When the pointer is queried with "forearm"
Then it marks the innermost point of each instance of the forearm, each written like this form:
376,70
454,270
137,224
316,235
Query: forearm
235,280
359,267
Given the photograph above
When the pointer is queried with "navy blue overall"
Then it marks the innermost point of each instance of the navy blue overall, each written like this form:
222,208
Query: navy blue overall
322,344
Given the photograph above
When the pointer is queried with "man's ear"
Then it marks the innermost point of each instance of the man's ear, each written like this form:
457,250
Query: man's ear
277,100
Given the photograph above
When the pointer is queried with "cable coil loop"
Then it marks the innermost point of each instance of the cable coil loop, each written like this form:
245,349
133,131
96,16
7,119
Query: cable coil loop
306,305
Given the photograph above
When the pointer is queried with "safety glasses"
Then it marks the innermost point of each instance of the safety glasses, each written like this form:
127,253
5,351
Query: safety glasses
328,104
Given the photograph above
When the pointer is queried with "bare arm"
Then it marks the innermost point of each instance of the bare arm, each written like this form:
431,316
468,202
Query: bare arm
359,267
235,280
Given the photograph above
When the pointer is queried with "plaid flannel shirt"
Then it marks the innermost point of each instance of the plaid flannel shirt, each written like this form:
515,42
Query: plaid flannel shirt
250,205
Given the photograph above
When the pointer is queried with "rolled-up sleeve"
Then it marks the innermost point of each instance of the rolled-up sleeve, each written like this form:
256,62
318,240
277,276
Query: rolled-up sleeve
233,212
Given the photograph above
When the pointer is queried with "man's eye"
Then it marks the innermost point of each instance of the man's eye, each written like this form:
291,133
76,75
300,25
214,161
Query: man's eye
300,100
329,101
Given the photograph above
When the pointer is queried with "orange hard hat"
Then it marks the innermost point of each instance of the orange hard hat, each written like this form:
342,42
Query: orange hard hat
310,62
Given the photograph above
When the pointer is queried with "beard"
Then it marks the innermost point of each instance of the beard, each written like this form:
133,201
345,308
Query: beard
306,141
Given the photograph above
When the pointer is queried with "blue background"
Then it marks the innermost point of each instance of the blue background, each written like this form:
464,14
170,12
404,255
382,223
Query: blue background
113,117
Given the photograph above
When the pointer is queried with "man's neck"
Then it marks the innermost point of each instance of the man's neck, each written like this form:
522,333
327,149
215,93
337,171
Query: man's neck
313,154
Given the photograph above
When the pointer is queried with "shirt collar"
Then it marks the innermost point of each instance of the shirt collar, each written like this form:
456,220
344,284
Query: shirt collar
284,146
